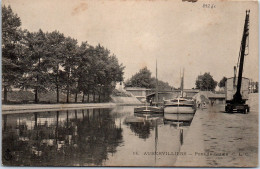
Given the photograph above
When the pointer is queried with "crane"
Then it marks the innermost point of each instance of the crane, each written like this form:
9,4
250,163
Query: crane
238,103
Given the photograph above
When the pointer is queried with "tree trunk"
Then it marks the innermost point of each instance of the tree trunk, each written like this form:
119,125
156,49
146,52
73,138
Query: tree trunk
58,96
68,86
68,95
37,81
99,98
36,95
57,84
76,97
94,97
76,94
5,94
88,97
104,97
36,90
83,97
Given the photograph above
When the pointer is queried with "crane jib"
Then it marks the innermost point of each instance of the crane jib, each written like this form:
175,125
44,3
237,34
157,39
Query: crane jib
238,97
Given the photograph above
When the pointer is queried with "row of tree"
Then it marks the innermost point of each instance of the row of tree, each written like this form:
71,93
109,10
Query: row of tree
49,61
144,79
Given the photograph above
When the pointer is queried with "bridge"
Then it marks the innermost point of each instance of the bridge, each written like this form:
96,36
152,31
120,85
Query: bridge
164,95
147,94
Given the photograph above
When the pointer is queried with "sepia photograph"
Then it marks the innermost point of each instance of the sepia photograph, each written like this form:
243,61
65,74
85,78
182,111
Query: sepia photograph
130,83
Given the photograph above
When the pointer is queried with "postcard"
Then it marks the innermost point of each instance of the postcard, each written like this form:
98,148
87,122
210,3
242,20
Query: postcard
130,83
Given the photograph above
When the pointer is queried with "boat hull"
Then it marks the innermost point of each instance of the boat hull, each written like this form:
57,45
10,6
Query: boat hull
179,109
179,105
149,110
187,117
178,101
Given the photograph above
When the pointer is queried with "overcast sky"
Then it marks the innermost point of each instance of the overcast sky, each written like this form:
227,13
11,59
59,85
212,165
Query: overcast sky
178,34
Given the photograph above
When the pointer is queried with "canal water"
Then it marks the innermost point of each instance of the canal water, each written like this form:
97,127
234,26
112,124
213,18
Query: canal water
90,137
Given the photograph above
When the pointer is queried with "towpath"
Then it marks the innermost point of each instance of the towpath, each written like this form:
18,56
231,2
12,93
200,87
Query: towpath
9,109
219,139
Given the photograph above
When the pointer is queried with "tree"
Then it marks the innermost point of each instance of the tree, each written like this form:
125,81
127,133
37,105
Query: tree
11,35
55,48
222,82
69,62
36,74
96,72
107,72
205,82
82,72
50,61
113,73
162,86
141,79
144,79
99,65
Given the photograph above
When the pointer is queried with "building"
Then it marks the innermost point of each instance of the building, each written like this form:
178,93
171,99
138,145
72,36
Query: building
190,93
217,98
139,92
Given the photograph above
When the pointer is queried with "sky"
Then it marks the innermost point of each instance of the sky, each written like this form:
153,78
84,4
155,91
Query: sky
180,35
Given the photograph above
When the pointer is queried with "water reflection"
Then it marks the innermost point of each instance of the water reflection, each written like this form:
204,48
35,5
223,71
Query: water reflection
142,125
181,136
66,138
179,125
90,137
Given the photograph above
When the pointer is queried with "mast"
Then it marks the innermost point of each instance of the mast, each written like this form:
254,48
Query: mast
237,98
156,94
182,82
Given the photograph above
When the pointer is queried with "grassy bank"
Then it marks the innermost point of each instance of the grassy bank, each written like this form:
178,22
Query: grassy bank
50,97
27,97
